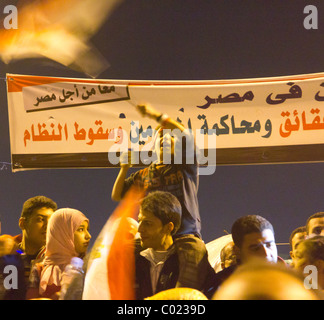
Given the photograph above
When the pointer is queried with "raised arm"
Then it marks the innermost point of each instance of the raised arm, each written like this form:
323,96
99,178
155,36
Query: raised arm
165,121
162,118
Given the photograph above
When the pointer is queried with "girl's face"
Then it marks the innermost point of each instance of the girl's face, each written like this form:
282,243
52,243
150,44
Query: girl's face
82,238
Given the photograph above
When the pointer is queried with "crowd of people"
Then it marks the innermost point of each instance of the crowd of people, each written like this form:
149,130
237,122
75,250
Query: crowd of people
172,261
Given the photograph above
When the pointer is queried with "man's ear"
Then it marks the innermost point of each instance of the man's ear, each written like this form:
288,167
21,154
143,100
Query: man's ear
170,226
22,223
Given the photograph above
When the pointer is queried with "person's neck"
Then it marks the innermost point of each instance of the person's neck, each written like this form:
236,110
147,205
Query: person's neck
165,245
29,248
160,161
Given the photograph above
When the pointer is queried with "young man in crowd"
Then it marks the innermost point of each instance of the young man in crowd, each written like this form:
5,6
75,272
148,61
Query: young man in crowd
27,247
253,237
315,225
157,265
35,214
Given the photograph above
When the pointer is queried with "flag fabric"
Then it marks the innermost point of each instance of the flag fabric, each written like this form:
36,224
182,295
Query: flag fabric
59,30
111,267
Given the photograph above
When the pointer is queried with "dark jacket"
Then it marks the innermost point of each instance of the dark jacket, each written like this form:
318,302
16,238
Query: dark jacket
215,280
167,279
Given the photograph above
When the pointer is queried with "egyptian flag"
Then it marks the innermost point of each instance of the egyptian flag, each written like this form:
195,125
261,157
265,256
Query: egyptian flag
59,30
111,267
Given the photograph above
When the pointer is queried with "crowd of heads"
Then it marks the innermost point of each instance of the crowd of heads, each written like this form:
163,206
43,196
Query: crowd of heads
49,237
262,274
258,271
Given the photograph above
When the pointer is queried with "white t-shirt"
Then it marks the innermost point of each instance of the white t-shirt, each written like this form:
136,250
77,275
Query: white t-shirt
157,259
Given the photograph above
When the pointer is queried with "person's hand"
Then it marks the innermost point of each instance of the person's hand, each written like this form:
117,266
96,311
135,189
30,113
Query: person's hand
125,159
7,246
148,111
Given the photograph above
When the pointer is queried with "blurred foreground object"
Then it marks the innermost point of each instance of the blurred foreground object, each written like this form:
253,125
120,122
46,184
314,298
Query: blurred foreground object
179,294
8,245
259,280
58,30
111,267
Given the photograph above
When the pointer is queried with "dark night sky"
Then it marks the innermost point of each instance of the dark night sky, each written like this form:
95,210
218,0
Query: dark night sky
188,40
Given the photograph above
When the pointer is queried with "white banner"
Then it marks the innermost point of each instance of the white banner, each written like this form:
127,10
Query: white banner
65,122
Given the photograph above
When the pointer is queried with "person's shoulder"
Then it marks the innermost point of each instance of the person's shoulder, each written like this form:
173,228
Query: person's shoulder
216,279
222,275
227,271
138,173
17,238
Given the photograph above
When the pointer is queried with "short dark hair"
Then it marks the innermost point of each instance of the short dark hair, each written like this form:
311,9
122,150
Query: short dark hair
314,216
165,206
222,253
248,224
35,203
297,230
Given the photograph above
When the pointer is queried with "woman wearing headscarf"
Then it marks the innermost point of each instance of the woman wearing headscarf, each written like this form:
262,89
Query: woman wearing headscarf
67,237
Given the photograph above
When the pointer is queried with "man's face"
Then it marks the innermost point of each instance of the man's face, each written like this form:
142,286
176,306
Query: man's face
259,245
316,227
35,226
152,232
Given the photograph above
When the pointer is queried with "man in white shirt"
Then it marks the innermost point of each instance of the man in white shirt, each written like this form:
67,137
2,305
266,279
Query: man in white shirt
157,266
166,261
